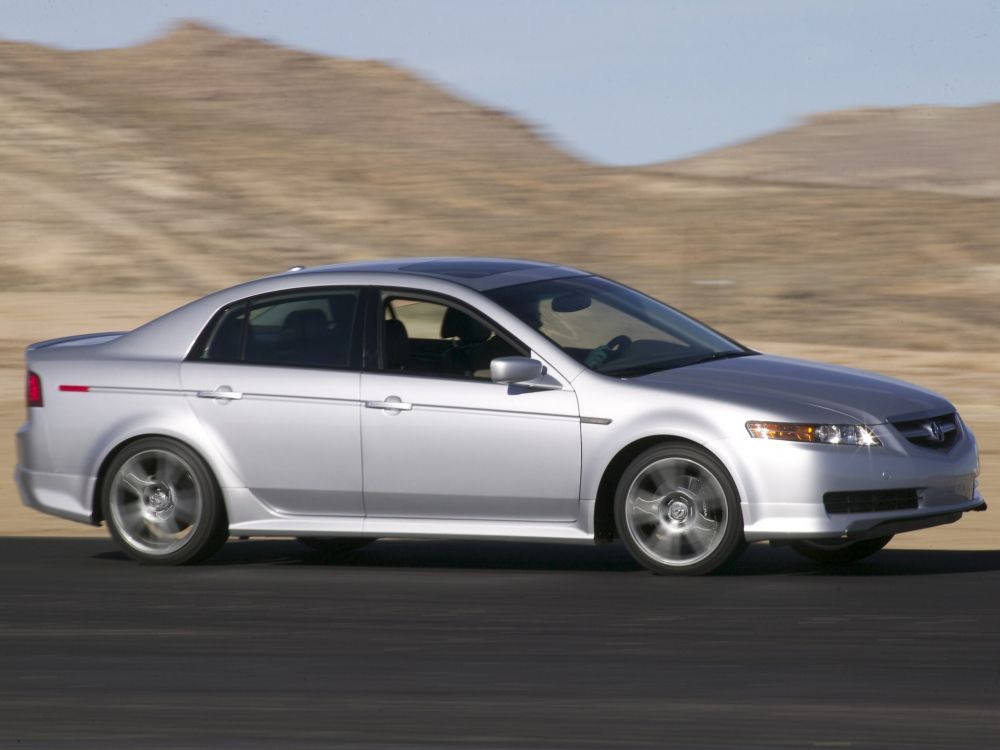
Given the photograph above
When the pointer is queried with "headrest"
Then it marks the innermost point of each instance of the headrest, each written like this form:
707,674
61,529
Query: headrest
468,330
342,308
307,324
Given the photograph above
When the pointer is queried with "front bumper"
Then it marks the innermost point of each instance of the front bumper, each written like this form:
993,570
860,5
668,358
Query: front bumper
782,485
891,528
795,522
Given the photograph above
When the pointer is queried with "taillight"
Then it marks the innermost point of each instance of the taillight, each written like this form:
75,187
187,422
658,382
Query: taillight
33,390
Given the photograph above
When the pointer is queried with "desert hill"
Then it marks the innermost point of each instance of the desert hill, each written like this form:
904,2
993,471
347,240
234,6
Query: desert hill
132,180
940,149
201,74
201,159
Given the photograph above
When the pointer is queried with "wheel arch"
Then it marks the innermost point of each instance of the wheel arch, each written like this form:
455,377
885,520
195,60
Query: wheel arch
604,506
97,510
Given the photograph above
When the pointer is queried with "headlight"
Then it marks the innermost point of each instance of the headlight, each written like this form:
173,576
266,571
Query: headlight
831,434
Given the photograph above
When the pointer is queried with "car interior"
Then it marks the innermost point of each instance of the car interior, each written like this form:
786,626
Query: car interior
304,331
441,341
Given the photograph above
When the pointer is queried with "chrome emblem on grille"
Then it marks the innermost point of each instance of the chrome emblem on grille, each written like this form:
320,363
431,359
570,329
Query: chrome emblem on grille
934,431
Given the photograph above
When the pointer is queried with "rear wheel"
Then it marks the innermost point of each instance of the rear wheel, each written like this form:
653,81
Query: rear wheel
162,504
678,512
838,551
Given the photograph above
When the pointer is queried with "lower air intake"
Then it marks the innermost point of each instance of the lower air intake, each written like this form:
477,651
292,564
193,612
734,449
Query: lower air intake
870,501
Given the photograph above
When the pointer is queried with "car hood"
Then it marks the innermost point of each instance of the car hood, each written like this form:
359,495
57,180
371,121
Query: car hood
798,389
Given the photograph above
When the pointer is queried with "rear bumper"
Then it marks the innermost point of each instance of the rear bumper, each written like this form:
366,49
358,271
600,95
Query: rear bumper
57,494
64,495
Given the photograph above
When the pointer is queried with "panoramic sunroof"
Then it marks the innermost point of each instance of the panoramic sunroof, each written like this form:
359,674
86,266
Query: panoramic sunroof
467,269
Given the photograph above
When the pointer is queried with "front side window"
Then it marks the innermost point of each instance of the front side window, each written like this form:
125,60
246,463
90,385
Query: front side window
428,336
309,328
611,328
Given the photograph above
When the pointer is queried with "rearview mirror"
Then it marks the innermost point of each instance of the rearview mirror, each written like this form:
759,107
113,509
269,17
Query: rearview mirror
570,302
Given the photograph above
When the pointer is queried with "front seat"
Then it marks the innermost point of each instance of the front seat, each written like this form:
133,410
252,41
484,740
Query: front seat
463,358
397,345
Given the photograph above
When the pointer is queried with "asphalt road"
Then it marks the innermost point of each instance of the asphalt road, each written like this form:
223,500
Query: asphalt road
489,645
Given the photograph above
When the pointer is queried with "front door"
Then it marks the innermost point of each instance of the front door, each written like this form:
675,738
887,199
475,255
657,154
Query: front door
440,440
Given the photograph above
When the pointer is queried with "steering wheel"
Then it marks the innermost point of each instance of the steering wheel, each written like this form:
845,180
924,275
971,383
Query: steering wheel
615,348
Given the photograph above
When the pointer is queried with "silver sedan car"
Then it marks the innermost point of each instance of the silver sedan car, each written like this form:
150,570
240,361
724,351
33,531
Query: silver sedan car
476,399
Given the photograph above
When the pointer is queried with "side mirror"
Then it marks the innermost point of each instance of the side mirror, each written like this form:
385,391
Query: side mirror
510,370
522,372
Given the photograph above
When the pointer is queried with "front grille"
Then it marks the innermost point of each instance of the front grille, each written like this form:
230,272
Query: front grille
869,501
939,433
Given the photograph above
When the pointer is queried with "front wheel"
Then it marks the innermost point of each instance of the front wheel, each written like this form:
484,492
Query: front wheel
836,551
678,512
162,504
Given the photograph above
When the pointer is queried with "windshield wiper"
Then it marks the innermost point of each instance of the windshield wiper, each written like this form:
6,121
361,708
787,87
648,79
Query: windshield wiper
718,355
648,368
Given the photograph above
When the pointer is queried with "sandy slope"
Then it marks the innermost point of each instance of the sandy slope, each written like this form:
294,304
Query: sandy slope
937,149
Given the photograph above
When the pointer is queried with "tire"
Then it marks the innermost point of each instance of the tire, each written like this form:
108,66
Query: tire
678,511
162,504
837,551
333,547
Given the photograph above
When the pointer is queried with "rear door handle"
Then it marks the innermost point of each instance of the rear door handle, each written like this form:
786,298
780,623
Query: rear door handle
391,403
223,394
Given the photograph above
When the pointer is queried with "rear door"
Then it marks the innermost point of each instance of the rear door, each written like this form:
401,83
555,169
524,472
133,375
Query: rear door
440,440
275,380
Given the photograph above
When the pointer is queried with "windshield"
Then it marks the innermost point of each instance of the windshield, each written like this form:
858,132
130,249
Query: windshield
611,328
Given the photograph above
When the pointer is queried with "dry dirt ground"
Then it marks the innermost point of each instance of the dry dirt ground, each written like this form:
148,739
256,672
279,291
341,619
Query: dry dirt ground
969,379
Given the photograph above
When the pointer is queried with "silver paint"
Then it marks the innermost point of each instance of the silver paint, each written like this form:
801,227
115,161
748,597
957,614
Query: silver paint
312,452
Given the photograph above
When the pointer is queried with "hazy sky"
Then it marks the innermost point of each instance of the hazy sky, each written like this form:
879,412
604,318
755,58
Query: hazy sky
621,82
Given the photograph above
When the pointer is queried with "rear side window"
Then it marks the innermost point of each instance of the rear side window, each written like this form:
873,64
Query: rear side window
313,328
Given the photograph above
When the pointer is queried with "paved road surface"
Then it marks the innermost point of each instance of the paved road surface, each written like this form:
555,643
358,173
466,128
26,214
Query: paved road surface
488,645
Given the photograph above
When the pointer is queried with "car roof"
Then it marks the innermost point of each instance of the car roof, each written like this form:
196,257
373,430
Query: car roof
172,332
476,273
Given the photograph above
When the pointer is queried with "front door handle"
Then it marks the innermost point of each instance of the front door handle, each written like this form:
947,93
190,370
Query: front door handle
391,403
223,394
